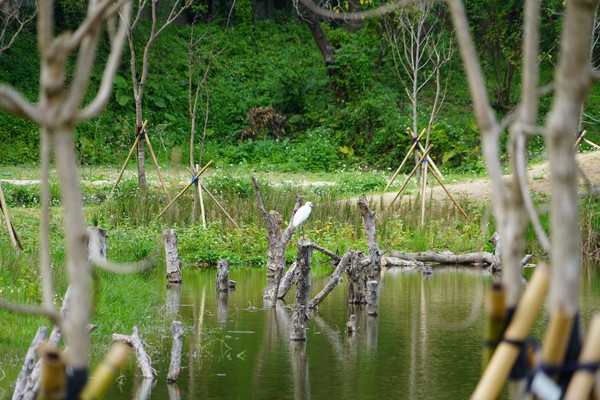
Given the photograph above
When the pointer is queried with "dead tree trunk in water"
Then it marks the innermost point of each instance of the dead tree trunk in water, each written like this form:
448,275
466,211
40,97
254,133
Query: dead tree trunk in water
369,227
357,280
223,276
277,241
172,255
299,316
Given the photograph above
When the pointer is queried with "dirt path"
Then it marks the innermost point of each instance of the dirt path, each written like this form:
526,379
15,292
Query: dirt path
539,174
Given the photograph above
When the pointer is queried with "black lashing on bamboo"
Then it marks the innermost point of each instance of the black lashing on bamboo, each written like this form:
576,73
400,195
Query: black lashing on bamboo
572,354
520,368
76,380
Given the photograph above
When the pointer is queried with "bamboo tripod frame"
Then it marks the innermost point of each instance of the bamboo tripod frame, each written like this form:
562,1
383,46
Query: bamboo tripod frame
141,133
424,159
14,238
200,189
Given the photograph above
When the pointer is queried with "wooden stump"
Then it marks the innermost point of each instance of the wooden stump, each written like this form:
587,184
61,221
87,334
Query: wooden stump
351,325
299,316
371,233
174,367
357,280
172,256
372,297
222,281
97,246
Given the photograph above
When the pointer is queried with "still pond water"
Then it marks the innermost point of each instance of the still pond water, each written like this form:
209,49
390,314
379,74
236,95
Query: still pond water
425,343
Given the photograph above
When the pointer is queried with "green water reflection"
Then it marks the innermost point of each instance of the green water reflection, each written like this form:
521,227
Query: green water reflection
425,343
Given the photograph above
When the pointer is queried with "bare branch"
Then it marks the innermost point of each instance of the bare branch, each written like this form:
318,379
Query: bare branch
128,268
14,102
357,16
45,253
112,64
12,11
31,310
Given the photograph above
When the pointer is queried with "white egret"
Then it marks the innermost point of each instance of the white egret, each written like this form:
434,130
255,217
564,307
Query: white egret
302,214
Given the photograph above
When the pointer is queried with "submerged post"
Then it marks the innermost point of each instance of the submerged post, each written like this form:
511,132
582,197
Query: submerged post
172,256
175,364
222,281
299,316
371,295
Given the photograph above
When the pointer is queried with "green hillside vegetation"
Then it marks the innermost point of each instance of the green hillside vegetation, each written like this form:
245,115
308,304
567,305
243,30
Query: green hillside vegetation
268,63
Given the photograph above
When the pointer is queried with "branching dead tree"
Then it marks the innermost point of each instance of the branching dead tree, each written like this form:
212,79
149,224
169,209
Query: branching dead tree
277,241
139,77
14,17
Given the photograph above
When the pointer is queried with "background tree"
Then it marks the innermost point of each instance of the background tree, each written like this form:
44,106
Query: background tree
14,17
420,48
139,73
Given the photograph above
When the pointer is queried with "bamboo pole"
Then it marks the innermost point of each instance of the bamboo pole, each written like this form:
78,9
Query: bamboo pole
497,371
408,153
135,142
495,310
449,195
435,168
106,372
201,201
423,190
410,175
591,143
185,189
53,381
579,139
14,238
160,178
219,204
557,337
582,381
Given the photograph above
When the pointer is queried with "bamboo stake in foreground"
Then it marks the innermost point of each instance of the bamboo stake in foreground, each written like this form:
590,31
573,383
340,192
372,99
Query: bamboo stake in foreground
583,381
106,372
495,310
54,378
203,170
557,337
495,375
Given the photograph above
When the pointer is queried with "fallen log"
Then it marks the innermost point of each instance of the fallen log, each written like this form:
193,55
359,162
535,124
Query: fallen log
287,281
143,360
29,363
483,258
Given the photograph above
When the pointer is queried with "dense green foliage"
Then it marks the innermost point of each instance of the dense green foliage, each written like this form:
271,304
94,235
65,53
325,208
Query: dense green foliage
355,115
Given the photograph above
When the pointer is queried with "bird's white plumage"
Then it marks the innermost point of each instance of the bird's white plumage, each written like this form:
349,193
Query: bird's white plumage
302,214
